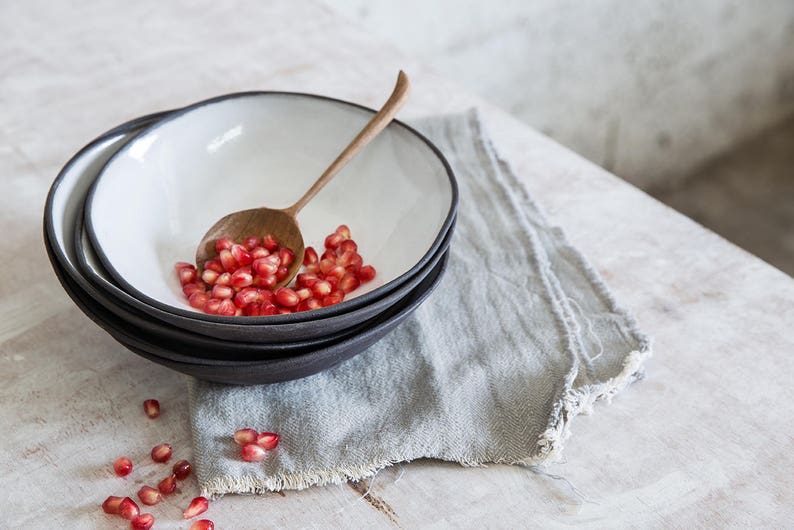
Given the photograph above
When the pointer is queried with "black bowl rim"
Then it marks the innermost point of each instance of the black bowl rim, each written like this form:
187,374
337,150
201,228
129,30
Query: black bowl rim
273,319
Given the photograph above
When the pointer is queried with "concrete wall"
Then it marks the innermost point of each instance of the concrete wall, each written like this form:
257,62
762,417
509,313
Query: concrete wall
649,89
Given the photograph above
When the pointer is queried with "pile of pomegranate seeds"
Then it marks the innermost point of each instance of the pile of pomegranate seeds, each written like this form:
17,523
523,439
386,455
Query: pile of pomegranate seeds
242,279
255,445
126,508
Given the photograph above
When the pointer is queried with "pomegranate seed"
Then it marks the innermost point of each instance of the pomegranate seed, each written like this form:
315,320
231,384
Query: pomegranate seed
330,255
267,440
269,308
337,271
366,273
247,296
304,293
111,505
348,246
179,265
222,292
334,281
182,469
309,303
326,265
209,276
346,258
333,298
143,521
287,256
259,252
128,509
266,266
242,277
241,255
227,308
270,242
310,256
265,282
212,306
167,485
245,436
252,310
343,231
286,297
282,273
348,283
224,279
190,288
266,295
314,268
187,276
222,244
203,524
152,408
198,300
321,288
149,495
306,279
228,261
161,452
286,310
333,241
355,263
196,507
122,466
253,452
213,265
251,242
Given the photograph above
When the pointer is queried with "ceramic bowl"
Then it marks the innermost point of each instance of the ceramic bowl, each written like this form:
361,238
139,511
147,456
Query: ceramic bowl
156,196
63,222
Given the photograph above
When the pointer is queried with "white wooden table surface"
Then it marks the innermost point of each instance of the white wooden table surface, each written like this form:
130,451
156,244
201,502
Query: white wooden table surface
706,440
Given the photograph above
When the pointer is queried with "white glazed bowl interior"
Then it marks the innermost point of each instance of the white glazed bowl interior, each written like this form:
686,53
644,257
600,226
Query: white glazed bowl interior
159,194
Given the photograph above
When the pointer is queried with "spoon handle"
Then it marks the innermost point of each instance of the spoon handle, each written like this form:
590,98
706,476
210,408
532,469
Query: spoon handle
378,122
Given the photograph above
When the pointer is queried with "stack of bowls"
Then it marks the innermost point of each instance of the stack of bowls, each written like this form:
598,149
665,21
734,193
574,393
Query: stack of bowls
137,199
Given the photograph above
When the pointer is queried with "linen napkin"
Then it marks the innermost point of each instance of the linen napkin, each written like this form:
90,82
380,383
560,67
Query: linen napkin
520,336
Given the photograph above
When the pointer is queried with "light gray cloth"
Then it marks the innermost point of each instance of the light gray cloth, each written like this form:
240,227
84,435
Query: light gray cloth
520,337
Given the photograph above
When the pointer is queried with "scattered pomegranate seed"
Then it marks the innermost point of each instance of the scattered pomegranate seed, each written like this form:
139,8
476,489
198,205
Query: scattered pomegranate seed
267,440
152,408
303,293
196,507
143,521
198,300
343,231
182,469
224,279
242,277
222,244
168,485
245,436
222,292
227,308
214,265
287,297
259,252
287,256
179,265
310,256
128,509
122,466
111,505
161,452
251,242
149,495
203,524
308,304
241,255
333,241
348,245
209,276
321,288
212,306
187,276
270,243
337,271
334,298
227,260
282,273
253,452
247,296
366,273
348,283
190,288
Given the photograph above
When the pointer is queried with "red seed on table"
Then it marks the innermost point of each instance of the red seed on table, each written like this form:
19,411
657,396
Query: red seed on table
346,258
214,265
310,256
303,293
245,436
241,255
321,288
355,263
253,452
190,288
286,297
269,308
252,310
224,279
336,271
334,298
209,276
128,509
343,230
227,308
267,440
182,469
270,242
161,452
242,277
187,276
143,521
247,296
222,244
348,283
198,300
326,265
265,266
281,273
348,246
222,292
168,485
122,466
227,260
366,273
265,282
212,306
251,242
149,495
333,241
152,408
111,505
330,255
308,304
203,524
196,507
179,265
287,256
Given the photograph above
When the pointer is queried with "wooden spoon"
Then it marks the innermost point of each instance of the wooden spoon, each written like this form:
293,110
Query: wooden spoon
283,224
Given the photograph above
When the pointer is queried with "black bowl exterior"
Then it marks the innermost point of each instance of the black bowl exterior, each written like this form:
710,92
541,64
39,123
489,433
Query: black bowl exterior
256,372
346,305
